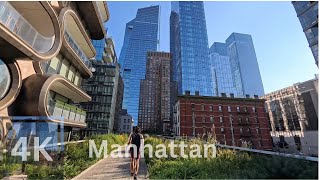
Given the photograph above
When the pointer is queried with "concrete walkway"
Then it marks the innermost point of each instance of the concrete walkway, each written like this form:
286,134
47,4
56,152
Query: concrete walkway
113,168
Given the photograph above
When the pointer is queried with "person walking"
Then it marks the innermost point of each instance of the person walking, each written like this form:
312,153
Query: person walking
135,140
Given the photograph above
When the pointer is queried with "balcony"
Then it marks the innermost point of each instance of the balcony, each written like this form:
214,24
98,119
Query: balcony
109,49
77,50
107,57
94,13
68,112
77,46
14,21
110,46
34,36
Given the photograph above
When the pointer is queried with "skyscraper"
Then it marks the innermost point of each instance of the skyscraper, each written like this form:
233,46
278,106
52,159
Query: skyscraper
221,70
307,12
106,90
155,94
189,47
244,65
141,35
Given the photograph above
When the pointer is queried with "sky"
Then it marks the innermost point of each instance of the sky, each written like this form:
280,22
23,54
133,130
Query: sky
282,50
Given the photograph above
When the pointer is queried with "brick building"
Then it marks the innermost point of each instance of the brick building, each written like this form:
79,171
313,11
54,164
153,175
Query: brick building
155,94
231,120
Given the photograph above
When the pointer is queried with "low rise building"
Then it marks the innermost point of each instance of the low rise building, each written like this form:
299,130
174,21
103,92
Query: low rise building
232,121
126,122
293,114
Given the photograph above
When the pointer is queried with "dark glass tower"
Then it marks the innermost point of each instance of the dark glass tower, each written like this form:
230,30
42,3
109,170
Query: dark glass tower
307,12
141,35
189,47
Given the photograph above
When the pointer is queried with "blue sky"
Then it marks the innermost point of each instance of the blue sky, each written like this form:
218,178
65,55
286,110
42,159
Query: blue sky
282,50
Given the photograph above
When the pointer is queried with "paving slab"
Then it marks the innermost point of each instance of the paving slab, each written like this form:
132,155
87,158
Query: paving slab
113,168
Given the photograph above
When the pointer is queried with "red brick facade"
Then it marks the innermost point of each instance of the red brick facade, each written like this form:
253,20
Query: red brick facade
218,115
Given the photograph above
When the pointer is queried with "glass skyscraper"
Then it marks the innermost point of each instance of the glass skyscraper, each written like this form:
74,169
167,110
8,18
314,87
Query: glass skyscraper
141,35
244,65
189,47
221,70
99,47
307,12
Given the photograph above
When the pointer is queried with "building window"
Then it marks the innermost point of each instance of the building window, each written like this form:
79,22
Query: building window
71,74
192,107
238,108
211,119
221,119
77,79
224,139
245,109
254,109
240,120
222,130
241,131
203,119
297,141
5,79
211,108
258,130
220,107
54,65
256,119
64,68
247,120
202,107
229,108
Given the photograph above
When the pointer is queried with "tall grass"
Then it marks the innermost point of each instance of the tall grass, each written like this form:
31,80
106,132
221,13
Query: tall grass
68,164
228,164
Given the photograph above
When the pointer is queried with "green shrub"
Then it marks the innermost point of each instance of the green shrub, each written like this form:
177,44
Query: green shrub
75,160
228,164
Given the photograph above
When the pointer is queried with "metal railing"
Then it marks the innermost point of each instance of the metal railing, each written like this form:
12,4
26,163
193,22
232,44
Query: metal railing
309,158
15,22
69,112
76,48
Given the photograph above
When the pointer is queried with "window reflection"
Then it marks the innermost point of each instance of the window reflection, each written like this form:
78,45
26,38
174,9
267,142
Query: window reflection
5,79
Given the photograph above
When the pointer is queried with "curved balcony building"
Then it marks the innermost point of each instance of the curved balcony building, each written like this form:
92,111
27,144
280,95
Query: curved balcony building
46,52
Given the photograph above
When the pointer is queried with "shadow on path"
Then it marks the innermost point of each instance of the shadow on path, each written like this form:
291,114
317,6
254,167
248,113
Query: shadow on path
113,168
